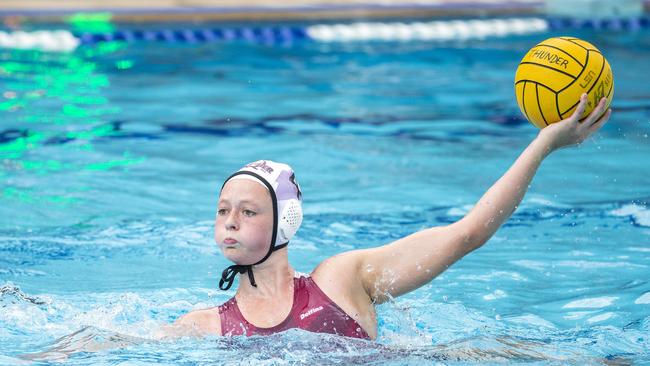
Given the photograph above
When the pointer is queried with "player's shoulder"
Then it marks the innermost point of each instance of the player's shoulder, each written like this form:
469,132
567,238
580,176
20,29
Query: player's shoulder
340,274
334,265
205,321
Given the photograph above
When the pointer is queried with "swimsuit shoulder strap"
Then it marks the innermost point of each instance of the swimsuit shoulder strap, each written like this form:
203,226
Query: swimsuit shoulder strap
232,320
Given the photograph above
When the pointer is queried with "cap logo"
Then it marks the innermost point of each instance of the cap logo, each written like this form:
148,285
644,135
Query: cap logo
260,165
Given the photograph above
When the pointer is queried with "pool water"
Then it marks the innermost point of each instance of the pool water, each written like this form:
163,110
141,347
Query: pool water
111,159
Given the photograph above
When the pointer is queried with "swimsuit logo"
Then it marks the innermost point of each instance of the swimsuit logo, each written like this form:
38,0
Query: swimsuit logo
310,312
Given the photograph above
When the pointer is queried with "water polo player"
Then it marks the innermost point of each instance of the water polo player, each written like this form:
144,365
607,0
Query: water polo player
259,210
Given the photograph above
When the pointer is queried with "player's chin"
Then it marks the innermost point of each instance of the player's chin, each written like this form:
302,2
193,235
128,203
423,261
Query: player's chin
230,250
232,255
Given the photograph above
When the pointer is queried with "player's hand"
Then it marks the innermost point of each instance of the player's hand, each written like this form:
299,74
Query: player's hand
571,131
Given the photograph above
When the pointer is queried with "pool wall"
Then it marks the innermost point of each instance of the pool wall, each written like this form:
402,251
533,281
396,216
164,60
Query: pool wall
256,10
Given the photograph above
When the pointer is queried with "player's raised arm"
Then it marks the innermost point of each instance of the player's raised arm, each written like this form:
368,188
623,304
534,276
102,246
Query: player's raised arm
413,261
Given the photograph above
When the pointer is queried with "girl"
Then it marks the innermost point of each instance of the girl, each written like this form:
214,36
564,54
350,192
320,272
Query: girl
259,210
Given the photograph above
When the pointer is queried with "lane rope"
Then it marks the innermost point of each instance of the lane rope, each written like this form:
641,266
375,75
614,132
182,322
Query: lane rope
434,31
53,41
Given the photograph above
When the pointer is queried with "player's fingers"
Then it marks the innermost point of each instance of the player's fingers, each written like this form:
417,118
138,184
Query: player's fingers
580,109
601,121
598,112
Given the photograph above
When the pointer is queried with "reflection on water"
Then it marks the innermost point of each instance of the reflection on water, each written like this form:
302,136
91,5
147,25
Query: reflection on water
54,99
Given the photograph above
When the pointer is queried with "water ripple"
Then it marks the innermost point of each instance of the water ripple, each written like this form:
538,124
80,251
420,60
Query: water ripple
592,303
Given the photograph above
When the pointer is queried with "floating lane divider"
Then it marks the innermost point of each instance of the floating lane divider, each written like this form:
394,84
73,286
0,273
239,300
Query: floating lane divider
277,34
53,41
353,32
451,30
429,31
614,24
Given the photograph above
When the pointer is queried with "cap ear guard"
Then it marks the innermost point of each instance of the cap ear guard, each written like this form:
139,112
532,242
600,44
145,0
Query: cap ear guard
290,220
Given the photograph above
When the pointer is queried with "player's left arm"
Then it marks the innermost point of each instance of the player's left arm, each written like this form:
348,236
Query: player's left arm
413,261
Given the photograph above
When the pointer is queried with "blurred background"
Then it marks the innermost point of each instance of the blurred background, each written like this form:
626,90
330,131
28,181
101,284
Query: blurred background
119,120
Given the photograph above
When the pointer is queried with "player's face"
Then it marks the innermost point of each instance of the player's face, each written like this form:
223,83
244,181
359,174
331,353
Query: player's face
244,222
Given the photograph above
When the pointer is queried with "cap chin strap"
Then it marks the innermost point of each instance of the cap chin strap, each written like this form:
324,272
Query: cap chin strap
228,275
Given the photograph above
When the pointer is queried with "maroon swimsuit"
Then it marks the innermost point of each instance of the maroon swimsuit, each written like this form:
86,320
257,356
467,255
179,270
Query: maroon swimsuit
312,310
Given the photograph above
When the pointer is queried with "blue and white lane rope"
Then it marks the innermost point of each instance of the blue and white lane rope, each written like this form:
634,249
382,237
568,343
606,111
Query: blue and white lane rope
452,30
52,41
429,31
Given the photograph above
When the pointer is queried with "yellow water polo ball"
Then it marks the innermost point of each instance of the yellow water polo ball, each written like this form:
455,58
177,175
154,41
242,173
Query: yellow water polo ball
552,76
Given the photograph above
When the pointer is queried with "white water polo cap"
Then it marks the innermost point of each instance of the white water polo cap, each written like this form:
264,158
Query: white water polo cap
286,197
282,181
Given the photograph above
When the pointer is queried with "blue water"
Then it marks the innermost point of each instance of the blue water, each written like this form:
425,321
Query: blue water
111,159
